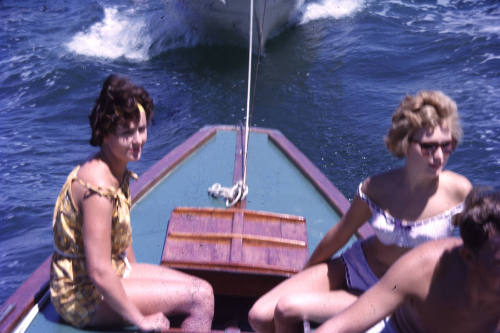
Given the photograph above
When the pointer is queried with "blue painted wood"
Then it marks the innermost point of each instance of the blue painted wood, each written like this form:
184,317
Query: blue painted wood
186,185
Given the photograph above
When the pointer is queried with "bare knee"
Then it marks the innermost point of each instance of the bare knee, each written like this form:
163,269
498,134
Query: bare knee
288,309
202,295
260,317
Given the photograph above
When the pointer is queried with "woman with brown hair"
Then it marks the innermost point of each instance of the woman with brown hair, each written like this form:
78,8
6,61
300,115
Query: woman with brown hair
95,280
405,207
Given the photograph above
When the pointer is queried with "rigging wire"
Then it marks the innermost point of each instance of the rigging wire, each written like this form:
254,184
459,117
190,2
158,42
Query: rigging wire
247,123
251,105
240,189
259,52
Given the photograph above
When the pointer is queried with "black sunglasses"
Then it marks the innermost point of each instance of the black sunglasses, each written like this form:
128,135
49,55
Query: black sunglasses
429,148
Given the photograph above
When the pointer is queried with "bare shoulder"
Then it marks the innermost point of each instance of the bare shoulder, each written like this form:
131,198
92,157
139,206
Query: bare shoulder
435,248
94,177
421,262
96,173
427,254
456,185
379,186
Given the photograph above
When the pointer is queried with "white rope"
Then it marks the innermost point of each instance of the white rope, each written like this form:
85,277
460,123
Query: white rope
232,195
247,125
239,190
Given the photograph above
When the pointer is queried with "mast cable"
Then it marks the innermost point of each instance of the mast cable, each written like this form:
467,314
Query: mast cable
247,125
240,189
259,52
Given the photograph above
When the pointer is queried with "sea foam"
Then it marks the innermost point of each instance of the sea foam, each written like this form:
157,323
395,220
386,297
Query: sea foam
330,8
119,34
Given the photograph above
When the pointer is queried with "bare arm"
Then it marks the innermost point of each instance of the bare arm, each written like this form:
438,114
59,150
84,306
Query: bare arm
97,212
131,254
338,235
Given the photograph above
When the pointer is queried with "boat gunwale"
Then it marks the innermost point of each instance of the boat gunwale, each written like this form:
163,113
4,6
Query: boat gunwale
26,296
31,290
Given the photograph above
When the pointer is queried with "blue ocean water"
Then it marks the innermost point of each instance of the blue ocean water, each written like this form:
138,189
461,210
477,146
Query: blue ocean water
329,82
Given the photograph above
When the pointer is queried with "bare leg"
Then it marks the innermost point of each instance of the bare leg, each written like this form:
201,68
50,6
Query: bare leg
291,310
317,279
159,289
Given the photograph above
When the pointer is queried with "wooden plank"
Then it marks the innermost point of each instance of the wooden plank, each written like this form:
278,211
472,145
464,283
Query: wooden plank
235,241
248,213
25,297
229,236
227,267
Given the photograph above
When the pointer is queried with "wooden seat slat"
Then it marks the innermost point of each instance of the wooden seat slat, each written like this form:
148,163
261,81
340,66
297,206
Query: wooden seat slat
218,244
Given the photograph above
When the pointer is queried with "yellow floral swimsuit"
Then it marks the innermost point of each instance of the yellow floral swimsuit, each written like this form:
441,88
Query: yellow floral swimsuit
71,290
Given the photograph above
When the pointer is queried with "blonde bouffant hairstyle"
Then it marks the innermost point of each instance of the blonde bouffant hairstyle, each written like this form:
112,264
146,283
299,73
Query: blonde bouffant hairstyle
427,109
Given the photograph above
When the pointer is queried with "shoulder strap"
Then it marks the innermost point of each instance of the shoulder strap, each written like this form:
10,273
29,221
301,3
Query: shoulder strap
362,195
132,175
110,192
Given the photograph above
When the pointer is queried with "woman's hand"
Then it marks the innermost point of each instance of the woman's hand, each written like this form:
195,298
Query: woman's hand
156,322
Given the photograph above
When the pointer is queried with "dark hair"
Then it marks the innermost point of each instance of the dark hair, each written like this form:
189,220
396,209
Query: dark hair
480,217
117,104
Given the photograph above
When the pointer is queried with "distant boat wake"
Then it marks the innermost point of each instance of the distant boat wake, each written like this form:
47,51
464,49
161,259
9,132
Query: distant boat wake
136,35
119,34
329,9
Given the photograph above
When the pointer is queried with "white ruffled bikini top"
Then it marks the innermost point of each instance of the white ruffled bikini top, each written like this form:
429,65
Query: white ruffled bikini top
393,231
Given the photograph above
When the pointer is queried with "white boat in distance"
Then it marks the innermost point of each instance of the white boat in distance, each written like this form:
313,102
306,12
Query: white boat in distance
227,21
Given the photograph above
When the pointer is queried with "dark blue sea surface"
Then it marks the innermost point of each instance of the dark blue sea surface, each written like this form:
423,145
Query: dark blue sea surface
329,82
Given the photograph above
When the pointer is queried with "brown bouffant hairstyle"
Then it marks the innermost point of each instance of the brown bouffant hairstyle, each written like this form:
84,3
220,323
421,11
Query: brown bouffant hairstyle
479,219
117,105
427,109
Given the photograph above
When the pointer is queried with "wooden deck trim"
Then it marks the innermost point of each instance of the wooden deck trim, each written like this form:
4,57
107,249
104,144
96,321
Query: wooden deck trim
244,237
223,266
232,211
231,240
26,296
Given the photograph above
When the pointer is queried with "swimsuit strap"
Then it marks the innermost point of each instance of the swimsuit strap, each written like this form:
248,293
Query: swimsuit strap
361,194
109,192
366,199
132,175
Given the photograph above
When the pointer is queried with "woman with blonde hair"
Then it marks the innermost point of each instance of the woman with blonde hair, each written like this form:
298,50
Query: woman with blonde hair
95,280
404,206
